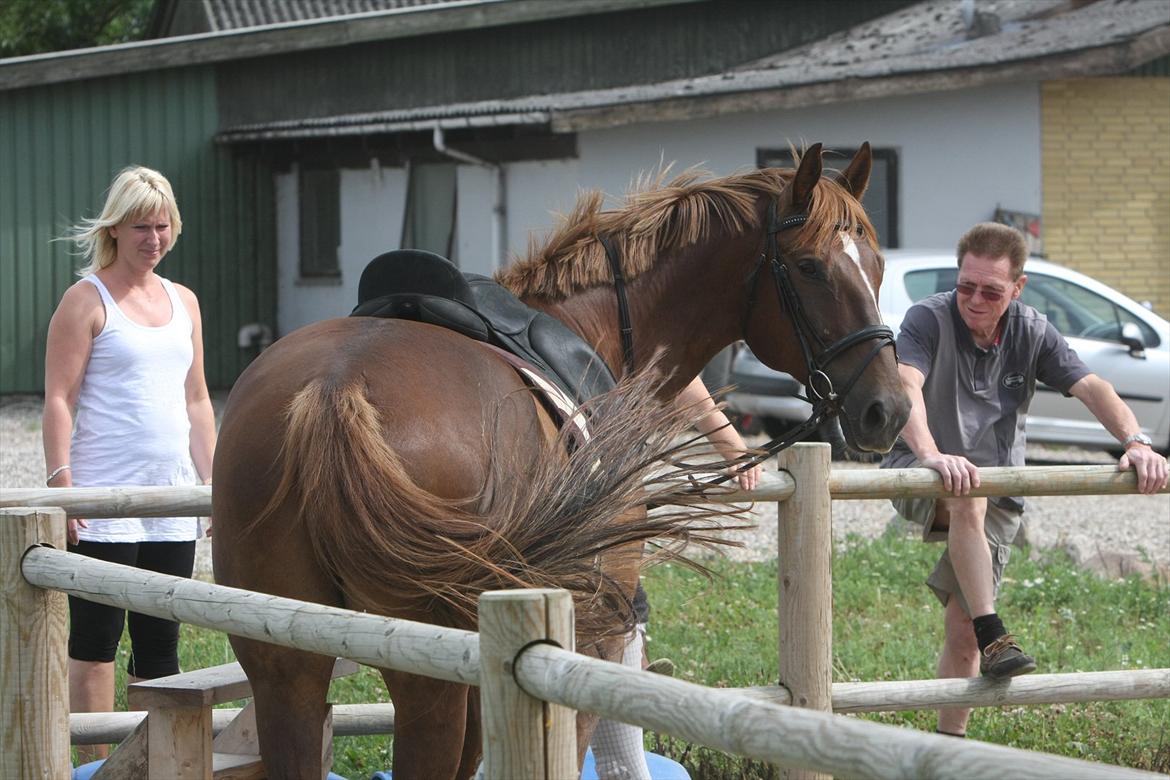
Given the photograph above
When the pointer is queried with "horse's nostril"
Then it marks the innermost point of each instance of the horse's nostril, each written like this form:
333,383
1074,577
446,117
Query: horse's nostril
875,417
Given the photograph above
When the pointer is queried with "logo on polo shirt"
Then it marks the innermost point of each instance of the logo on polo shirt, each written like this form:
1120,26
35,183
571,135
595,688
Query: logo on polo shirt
1012,381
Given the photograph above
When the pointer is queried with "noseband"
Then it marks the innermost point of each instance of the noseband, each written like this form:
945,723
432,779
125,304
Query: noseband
825,399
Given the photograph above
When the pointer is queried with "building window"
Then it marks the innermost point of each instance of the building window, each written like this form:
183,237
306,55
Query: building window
431,198
881,198
320,220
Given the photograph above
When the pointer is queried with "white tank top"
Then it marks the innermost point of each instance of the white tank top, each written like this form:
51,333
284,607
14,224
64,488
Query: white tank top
132,426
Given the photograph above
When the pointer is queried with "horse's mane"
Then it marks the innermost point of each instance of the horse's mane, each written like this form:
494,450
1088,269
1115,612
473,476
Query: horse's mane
657,218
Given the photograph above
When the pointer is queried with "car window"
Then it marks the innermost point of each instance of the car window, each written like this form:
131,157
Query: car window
925,283
1076,311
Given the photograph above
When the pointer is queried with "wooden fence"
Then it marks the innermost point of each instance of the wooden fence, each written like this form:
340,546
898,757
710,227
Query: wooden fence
749,722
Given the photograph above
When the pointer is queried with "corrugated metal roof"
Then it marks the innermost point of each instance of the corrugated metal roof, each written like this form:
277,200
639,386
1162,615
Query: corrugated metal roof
942,35
403,21
927,38
489,113
237,14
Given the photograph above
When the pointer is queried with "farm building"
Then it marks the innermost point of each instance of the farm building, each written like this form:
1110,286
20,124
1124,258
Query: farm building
303,138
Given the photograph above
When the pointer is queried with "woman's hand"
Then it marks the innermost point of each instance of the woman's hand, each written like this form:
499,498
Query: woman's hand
749,478
71,526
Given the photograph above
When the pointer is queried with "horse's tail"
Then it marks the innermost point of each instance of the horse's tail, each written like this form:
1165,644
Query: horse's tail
377,532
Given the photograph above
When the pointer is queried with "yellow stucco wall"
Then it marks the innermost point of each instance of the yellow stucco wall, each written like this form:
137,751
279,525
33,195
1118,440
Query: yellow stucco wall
1106,163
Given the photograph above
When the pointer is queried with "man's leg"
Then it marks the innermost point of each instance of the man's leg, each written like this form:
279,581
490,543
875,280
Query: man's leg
970,554
977,550
959,658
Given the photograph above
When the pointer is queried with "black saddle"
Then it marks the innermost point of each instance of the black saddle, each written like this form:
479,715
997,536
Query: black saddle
416,285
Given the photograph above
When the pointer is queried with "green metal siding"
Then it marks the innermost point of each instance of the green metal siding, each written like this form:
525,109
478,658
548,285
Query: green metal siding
60,146
580,53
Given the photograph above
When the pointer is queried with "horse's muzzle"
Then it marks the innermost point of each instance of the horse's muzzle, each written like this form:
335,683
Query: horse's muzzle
876,426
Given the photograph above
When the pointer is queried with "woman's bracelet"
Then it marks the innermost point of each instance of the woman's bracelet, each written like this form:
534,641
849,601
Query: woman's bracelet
55,472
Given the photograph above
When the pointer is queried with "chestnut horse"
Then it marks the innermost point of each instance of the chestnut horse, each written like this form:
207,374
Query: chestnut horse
399,468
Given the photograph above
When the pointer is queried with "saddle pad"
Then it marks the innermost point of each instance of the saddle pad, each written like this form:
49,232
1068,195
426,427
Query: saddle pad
562,408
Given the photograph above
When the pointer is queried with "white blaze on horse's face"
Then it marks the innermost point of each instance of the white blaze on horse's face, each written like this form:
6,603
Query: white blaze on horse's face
855,255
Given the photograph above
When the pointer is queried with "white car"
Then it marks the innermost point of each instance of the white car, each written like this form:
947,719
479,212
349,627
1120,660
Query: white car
1119,339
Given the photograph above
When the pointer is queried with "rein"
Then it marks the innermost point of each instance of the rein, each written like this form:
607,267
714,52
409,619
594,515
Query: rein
825,399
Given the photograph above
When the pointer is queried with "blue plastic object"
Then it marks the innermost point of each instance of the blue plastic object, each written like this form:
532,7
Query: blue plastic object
661,768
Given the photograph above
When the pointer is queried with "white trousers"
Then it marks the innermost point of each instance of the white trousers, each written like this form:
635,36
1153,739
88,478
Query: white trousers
617,747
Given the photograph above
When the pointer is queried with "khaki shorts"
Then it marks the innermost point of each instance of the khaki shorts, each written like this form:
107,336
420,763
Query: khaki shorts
1000,525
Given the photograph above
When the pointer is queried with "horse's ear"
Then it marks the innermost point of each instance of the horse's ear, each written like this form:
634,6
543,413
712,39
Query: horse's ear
855,177
806,178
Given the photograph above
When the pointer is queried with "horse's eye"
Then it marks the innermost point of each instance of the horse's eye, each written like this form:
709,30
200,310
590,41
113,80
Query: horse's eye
809,268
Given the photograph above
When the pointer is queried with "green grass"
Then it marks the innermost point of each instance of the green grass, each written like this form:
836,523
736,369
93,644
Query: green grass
887,626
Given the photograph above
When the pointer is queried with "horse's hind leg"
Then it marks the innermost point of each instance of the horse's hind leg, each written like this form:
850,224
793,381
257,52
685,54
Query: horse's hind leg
290,689
430,726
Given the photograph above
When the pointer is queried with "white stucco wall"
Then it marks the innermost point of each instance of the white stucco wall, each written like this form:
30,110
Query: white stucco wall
372,201
960,154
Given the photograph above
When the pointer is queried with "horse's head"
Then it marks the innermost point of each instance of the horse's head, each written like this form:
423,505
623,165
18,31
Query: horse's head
814,310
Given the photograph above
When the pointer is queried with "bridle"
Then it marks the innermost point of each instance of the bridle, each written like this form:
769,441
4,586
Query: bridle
825,399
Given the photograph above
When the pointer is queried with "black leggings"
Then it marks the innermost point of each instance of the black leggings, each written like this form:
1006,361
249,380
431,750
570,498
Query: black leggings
94,629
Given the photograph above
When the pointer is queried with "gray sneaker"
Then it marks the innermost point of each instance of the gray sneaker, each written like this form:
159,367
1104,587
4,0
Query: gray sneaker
1005,658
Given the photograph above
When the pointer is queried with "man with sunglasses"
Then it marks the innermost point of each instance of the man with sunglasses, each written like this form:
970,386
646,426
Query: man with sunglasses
969,359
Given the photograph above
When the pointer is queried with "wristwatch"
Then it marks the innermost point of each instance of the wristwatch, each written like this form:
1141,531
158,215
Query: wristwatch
1138,437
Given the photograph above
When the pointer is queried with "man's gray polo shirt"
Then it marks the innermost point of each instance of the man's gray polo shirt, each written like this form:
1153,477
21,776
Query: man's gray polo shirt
976,398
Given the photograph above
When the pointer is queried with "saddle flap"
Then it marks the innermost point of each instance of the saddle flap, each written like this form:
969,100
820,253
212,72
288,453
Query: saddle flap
574,361
504,310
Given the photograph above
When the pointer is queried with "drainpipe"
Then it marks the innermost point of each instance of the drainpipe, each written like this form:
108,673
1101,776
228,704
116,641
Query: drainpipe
499,213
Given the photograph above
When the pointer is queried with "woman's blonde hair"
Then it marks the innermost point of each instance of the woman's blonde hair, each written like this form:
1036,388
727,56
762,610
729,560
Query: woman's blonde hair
135,192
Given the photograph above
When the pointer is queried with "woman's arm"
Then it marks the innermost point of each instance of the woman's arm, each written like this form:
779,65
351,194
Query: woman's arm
78,319
715,426
199,410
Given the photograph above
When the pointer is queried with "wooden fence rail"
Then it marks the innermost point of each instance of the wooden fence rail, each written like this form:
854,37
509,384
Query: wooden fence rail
419,648
787,736
805,646
844,485
102,728
351,720
724,720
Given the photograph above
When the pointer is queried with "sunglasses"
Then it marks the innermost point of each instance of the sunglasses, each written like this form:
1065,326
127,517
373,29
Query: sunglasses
967,290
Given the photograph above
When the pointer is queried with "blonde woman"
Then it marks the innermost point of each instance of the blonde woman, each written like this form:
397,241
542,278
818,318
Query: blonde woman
126,403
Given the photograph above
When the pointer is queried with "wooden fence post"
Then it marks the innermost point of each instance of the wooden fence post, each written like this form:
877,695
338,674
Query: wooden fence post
34,673
806,583
523,737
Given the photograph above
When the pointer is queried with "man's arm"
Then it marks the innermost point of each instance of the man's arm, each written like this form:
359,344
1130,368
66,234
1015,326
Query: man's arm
1102,400
959,475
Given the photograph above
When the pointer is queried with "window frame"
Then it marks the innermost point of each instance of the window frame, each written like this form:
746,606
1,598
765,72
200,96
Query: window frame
319,223
772,157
